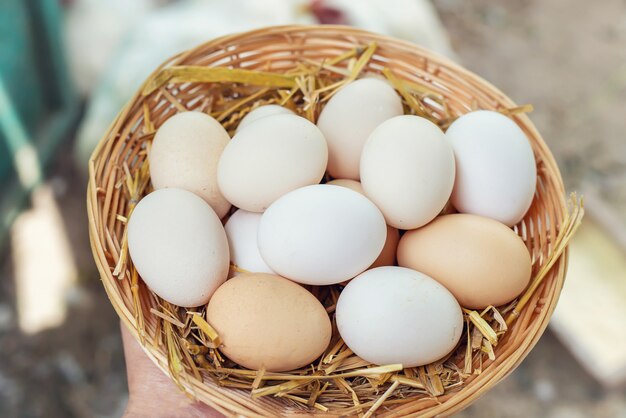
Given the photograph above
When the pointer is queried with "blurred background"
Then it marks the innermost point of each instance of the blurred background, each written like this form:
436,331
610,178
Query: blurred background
67,67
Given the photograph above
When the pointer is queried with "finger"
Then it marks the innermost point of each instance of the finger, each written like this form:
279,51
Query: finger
151,392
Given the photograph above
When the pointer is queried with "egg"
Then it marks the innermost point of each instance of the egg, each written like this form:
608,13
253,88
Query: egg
241,231
496,173
350,184
278,154
407,170
266,321
481,261
387,256
321,234
178,246
391,315
184,154
348,119
261,112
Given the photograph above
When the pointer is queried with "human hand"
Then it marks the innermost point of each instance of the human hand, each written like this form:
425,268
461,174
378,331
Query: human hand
150,392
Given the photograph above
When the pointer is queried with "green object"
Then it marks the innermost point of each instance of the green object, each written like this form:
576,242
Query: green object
38,103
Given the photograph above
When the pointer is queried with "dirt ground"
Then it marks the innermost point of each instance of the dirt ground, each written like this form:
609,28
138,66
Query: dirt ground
76,369
566,58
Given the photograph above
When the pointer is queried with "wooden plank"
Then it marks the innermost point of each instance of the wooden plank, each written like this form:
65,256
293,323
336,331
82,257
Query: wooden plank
590,318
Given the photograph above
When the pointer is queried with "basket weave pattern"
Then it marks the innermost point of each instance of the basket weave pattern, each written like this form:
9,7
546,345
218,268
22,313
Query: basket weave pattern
121,155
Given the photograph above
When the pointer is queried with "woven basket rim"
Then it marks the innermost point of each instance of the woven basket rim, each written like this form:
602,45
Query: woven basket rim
457,400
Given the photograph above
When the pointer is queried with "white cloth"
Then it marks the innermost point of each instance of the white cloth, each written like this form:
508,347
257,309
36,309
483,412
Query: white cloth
144,35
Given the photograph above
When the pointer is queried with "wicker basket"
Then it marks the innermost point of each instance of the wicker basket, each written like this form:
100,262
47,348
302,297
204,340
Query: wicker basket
119,158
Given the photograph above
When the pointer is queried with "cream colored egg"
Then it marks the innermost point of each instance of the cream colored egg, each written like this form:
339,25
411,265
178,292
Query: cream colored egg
184,155
278,154
349,118
266,321
407,170
391,315
387,256
481,261
178,246
350,184
261,112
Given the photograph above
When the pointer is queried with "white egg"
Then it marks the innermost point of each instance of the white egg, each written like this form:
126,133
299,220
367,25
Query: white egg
321,234
387,256
496,172
348,119
261,112
276,155
184,155
241,230
391,315
178,246
407,170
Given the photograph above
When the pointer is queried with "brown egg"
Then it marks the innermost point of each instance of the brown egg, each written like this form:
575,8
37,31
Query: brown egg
481,261
387,256
267,321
